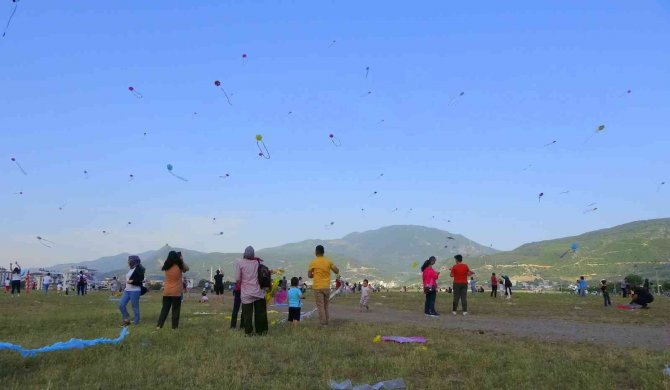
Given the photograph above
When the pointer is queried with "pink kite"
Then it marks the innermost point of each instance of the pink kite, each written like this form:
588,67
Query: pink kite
281,297
403,340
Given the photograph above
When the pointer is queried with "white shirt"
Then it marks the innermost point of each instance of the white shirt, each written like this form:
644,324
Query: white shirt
46,280
130,287
365,291
16,277
7,282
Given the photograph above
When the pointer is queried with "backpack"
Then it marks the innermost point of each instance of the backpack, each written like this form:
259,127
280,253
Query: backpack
264,276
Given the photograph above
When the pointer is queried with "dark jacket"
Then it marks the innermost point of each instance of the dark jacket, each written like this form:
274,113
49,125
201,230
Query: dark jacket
138,275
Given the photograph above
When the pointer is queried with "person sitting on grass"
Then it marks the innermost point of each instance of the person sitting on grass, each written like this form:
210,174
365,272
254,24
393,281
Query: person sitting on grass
204,298
294,297
641,296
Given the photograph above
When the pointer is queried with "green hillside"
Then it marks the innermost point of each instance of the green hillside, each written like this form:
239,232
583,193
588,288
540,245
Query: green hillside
641,247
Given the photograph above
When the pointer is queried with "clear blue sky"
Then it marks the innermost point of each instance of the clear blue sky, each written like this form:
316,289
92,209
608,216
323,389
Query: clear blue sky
532,72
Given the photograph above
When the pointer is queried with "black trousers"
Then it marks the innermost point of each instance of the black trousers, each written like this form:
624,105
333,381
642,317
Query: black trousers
81,289
429,306
16,286
461,294
175,304
494,290
237,302
255,313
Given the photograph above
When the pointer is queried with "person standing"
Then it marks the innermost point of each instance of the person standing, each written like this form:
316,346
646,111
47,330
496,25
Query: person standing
294,297
16,280
133,290
114,286
473,285
174,268
460,273
494,285
582,287
46,282
622,286
606,293
254,308
81,283
508,286
237,302
430,277
8,284
366,290
218,283
319,270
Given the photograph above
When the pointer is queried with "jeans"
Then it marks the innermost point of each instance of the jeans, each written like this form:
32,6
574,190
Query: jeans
237,302
175,303
46,288
606,297
16,286
322,298
81,289
461,293
134,298
429,307
582,292
494,290
255,313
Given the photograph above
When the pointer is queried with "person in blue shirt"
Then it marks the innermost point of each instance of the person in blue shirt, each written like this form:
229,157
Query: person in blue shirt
582,286
294,297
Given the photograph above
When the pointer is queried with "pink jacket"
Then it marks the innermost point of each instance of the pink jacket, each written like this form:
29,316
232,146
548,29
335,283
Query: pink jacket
430,277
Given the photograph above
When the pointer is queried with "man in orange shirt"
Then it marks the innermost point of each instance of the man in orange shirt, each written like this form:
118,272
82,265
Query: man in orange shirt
319,270
460,273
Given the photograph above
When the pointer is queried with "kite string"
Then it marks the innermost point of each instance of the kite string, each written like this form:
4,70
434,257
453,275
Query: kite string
265,154
11,16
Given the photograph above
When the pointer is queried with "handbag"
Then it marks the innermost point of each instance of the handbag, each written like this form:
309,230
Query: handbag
143,290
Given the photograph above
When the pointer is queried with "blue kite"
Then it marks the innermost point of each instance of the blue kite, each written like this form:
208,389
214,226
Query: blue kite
63,345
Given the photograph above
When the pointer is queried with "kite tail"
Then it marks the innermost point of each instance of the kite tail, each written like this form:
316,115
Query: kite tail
64,345
226,95
16,5
266,154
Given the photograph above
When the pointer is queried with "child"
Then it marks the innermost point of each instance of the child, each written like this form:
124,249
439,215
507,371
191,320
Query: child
606,293
203,298
294,297
8,283
365,295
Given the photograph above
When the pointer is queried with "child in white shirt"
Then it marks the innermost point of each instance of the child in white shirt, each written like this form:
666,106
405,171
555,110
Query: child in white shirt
366,290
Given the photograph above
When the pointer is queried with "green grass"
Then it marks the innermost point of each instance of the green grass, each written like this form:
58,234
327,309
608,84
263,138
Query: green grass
538,306
205,353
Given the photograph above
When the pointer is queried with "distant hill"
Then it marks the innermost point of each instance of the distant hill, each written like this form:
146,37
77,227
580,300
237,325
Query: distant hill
387,254
641,247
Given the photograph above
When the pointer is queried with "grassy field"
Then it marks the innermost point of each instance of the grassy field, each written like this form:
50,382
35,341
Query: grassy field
205,353
544,306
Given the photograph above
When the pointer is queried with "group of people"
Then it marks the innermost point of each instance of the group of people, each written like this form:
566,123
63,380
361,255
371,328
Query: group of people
459,272
249,291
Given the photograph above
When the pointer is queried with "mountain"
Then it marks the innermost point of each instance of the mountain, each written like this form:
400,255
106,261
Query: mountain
641,247
382,254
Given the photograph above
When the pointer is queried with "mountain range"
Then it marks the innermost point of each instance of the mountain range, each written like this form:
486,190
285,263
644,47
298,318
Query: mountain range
388,254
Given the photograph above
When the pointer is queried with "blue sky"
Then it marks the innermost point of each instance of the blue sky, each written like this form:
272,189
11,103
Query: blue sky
532,72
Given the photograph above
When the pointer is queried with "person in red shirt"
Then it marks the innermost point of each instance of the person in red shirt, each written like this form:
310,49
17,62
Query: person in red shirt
460,273
494,285
430,277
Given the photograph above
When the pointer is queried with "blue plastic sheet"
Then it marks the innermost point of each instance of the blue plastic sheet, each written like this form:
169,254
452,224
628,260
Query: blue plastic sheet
63,345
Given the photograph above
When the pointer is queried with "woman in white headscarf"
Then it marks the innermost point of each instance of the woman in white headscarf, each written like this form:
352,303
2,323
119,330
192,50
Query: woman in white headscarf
254,309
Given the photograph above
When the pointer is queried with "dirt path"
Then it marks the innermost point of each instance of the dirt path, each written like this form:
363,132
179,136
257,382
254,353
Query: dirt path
654,338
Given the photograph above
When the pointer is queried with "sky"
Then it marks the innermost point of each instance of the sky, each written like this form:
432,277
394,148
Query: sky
529,72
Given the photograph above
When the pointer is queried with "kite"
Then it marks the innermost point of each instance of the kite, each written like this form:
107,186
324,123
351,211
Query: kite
450,238
394,210
573,249
455,99
659,186
145,133
227,175
367,94
19,165
219,234
134,92
528,167
591,204
373,194
11,16
539,197
380,176
18,193
169,168
214,220
263,151
86,174
393,384
62,206
131,177
336,141
400,339
380,122
550,143
45,242
129,223
565,192
244,58
63,345
414,264
628,91
218,84
590,210
367,70
105,232
598,130
330,225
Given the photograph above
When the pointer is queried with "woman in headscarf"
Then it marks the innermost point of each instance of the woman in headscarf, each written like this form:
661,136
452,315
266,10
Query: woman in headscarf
16,280
430,277
174,268
133,290
254,309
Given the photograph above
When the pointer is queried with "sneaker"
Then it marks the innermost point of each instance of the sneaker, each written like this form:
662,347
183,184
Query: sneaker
465,313
454,313
126,322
